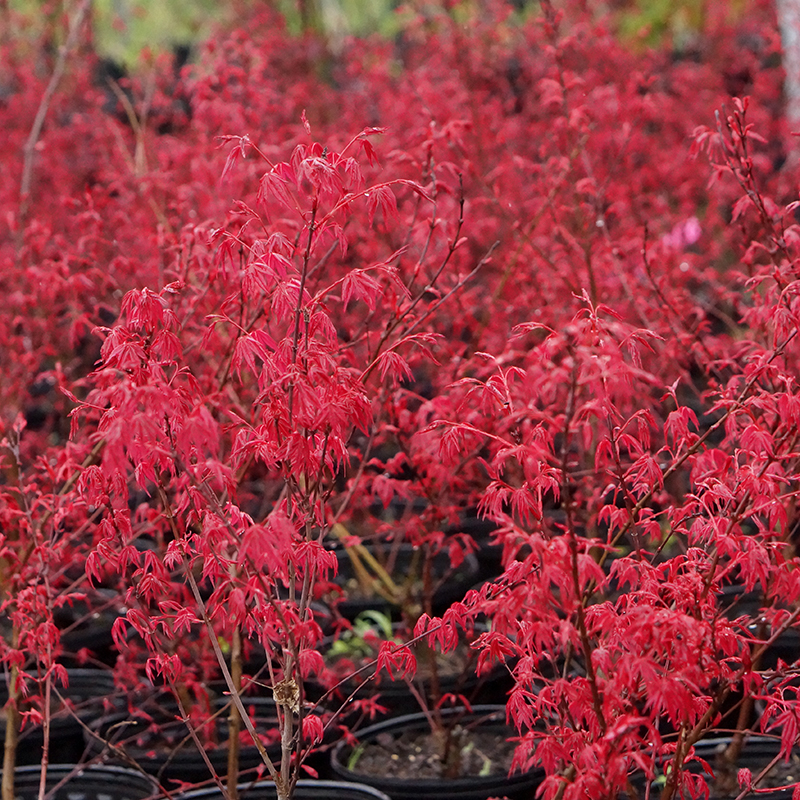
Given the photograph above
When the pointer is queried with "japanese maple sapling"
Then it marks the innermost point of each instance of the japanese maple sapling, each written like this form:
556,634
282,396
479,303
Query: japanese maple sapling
625,515
43,543
233,401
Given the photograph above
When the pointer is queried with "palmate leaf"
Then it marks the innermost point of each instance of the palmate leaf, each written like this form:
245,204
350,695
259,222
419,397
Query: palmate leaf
361,285
257,344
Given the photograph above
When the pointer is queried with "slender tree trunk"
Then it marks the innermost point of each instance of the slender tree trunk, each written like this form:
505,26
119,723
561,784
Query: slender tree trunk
234,720
12,728
10,751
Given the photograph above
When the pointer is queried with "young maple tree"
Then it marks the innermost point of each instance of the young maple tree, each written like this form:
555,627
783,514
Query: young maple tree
43,545
227,406
628,516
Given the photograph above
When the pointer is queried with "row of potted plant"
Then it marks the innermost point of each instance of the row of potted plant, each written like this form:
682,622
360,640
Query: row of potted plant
510,364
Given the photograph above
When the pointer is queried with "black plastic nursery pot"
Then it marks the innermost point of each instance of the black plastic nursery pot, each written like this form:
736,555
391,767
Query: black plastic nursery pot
735,602
67,782
489,721
488,553
305,790
722,782
86,625
160,743
757,753
87,692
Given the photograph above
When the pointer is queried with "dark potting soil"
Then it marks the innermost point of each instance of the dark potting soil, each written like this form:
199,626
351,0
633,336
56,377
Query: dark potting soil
413,755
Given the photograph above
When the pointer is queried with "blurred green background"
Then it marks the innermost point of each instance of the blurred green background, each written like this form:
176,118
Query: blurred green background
123,29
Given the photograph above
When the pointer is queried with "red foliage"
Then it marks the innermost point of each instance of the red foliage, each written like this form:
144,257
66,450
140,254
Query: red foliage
513,268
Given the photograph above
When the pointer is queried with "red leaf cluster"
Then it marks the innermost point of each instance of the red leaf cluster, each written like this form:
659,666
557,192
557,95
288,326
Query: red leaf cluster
518,270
